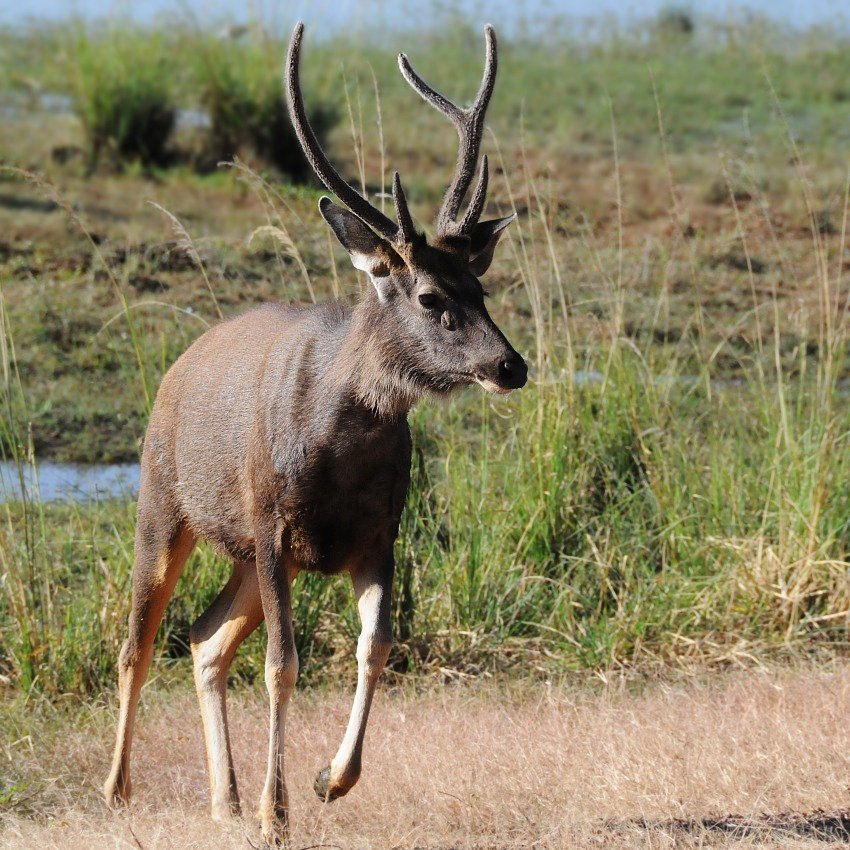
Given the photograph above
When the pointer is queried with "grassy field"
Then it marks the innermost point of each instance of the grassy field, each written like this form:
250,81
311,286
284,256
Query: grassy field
745,760
669,493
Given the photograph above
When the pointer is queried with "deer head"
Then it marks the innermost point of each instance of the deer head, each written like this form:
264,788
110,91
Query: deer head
428,295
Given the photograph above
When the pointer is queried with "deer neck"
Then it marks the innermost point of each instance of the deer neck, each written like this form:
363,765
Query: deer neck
370,363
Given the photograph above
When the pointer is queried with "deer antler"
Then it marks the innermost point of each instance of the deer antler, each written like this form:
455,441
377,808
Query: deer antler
404,231
469,124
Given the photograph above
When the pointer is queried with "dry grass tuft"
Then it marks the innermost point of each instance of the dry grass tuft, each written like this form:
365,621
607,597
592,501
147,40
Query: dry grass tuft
753,759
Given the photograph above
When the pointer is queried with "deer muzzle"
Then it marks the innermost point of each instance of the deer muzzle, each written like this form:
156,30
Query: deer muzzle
509,373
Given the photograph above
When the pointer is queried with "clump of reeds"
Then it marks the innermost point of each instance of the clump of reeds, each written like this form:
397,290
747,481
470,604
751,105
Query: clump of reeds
240,87
124,93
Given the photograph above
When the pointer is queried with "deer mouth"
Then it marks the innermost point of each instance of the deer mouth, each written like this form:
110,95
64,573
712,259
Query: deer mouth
492,386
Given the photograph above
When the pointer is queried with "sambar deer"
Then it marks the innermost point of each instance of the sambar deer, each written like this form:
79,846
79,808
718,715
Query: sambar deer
281,438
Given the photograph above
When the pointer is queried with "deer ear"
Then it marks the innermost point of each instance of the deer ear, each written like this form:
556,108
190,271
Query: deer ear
482,243
368,251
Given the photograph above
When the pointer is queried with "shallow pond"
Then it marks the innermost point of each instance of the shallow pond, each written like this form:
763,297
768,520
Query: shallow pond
74,482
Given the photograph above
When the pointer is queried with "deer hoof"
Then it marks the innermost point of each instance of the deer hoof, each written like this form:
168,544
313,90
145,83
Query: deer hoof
322,786
226,813
275,829
115,794
276,838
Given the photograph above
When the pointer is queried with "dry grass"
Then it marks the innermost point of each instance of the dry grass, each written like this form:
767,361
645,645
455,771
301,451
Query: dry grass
747,760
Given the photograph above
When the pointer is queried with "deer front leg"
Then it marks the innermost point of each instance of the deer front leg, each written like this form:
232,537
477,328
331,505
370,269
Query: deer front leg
215,636
281,672
373,589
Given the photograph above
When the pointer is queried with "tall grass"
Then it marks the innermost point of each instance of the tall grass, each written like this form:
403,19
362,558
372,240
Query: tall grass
629,524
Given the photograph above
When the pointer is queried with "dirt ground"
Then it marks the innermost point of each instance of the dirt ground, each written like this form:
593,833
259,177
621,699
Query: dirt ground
739,760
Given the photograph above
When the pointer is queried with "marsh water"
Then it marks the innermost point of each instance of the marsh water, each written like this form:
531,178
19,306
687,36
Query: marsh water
74,482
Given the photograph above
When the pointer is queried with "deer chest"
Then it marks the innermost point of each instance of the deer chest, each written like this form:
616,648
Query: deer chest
342,499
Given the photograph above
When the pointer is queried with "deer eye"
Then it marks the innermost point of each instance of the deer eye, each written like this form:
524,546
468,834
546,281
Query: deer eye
429,300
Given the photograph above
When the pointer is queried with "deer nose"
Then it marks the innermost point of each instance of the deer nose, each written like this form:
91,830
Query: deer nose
513,372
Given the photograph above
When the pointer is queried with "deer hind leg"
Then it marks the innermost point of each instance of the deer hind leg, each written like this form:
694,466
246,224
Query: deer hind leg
162,549
215,636
373,588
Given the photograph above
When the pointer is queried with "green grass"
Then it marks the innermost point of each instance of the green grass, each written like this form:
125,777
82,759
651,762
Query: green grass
687,505
647,516
594,527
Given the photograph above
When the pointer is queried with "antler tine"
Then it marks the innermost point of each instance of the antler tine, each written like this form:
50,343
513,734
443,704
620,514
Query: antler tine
313,150
470,127
479,196
428,94
407,231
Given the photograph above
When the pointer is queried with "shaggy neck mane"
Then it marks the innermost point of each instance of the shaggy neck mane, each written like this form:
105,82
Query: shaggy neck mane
373,365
